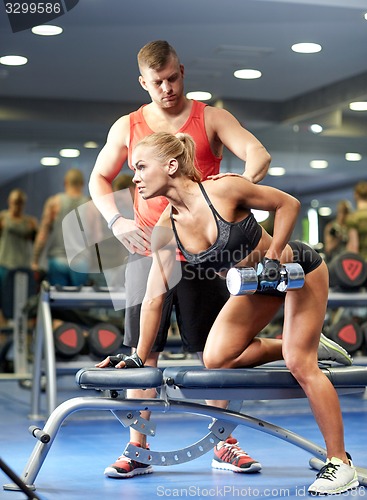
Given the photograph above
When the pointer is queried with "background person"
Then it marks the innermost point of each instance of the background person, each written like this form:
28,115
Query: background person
336,232
357,221
50,235
17,233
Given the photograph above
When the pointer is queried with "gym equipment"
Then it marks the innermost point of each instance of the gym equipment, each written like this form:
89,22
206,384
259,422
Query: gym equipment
347,271
51,299
244,280
18,286
182,390
347,333
363,328
21,485
69,340
104,339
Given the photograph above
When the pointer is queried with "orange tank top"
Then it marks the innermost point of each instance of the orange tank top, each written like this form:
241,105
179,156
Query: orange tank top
147,212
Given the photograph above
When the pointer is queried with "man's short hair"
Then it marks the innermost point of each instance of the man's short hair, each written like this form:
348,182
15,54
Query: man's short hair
360,190
155,55
74,177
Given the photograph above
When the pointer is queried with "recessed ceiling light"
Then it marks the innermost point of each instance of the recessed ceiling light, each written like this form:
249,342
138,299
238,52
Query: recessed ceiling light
306,48
316,128
247,74
358,106
365,16
353,156
325,211
50,161
199,95
69,153
90,145
319,164
13,60
276,171
47,30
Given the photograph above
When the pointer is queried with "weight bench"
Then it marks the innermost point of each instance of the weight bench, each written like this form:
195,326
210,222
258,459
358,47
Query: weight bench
182,390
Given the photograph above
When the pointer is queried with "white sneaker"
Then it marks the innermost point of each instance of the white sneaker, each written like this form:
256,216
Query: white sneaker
334,477
331,351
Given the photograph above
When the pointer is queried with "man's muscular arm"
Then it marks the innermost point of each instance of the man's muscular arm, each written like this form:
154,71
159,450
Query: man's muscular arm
108,165
241,143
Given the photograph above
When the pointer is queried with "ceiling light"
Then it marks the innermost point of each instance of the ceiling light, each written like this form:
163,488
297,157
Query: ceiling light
353,156
199,95
260,215
69,153
90,145
13,60
316,128
365,16
319,164
47,30
325,211
276,171
358,106
306,48
247,74
50,161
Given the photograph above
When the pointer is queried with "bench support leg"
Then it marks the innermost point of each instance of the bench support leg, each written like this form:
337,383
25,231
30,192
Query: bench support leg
224,422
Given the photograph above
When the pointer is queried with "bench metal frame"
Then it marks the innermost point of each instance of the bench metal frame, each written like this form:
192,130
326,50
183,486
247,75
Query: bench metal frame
173,399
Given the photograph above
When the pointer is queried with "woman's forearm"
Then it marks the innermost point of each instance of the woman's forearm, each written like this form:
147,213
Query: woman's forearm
150,319
284,223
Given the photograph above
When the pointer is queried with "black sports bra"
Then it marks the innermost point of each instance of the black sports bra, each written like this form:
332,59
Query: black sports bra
234,241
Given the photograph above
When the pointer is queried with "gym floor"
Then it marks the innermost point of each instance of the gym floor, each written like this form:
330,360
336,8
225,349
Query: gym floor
89,441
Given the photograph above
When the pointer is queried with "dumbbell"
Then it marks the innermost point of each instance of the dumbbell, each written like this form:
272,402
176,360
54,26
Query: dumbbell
69,340
244,280
104,339
347,271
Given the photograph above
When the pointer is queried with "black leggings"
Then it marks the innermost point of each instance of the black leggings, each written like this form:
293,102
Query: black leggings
306,256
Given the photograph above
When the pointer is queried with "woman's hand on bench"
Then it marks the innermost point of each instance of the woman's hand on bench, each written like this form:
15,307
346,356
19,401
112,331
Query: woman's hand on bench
121,361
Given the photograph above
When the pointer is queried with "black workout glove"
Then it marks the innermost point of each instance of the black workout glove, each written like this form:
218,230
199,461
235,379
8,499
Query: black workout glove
132,361
268,274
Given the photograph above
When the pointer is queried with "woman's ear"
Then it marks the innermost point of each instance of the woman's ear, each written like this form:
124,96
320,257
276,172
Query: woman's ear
172,166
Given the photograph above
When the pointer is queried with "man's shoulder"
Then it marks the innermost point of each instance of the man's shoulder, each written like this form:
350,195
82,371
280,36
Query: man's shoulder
121,122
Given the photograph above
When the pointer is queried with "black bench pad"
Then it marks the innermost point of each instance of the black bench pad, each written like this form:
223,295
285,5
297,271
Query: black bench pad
117,379
200,377
261,377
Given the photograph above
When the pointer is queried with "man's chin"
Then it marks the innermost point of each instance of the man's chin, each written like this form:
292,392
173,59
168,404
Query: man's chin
169,103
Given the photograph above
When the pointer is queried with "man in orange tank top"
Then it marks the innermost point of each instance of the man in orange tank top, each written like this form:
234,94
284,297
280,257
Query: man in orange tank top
199,296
